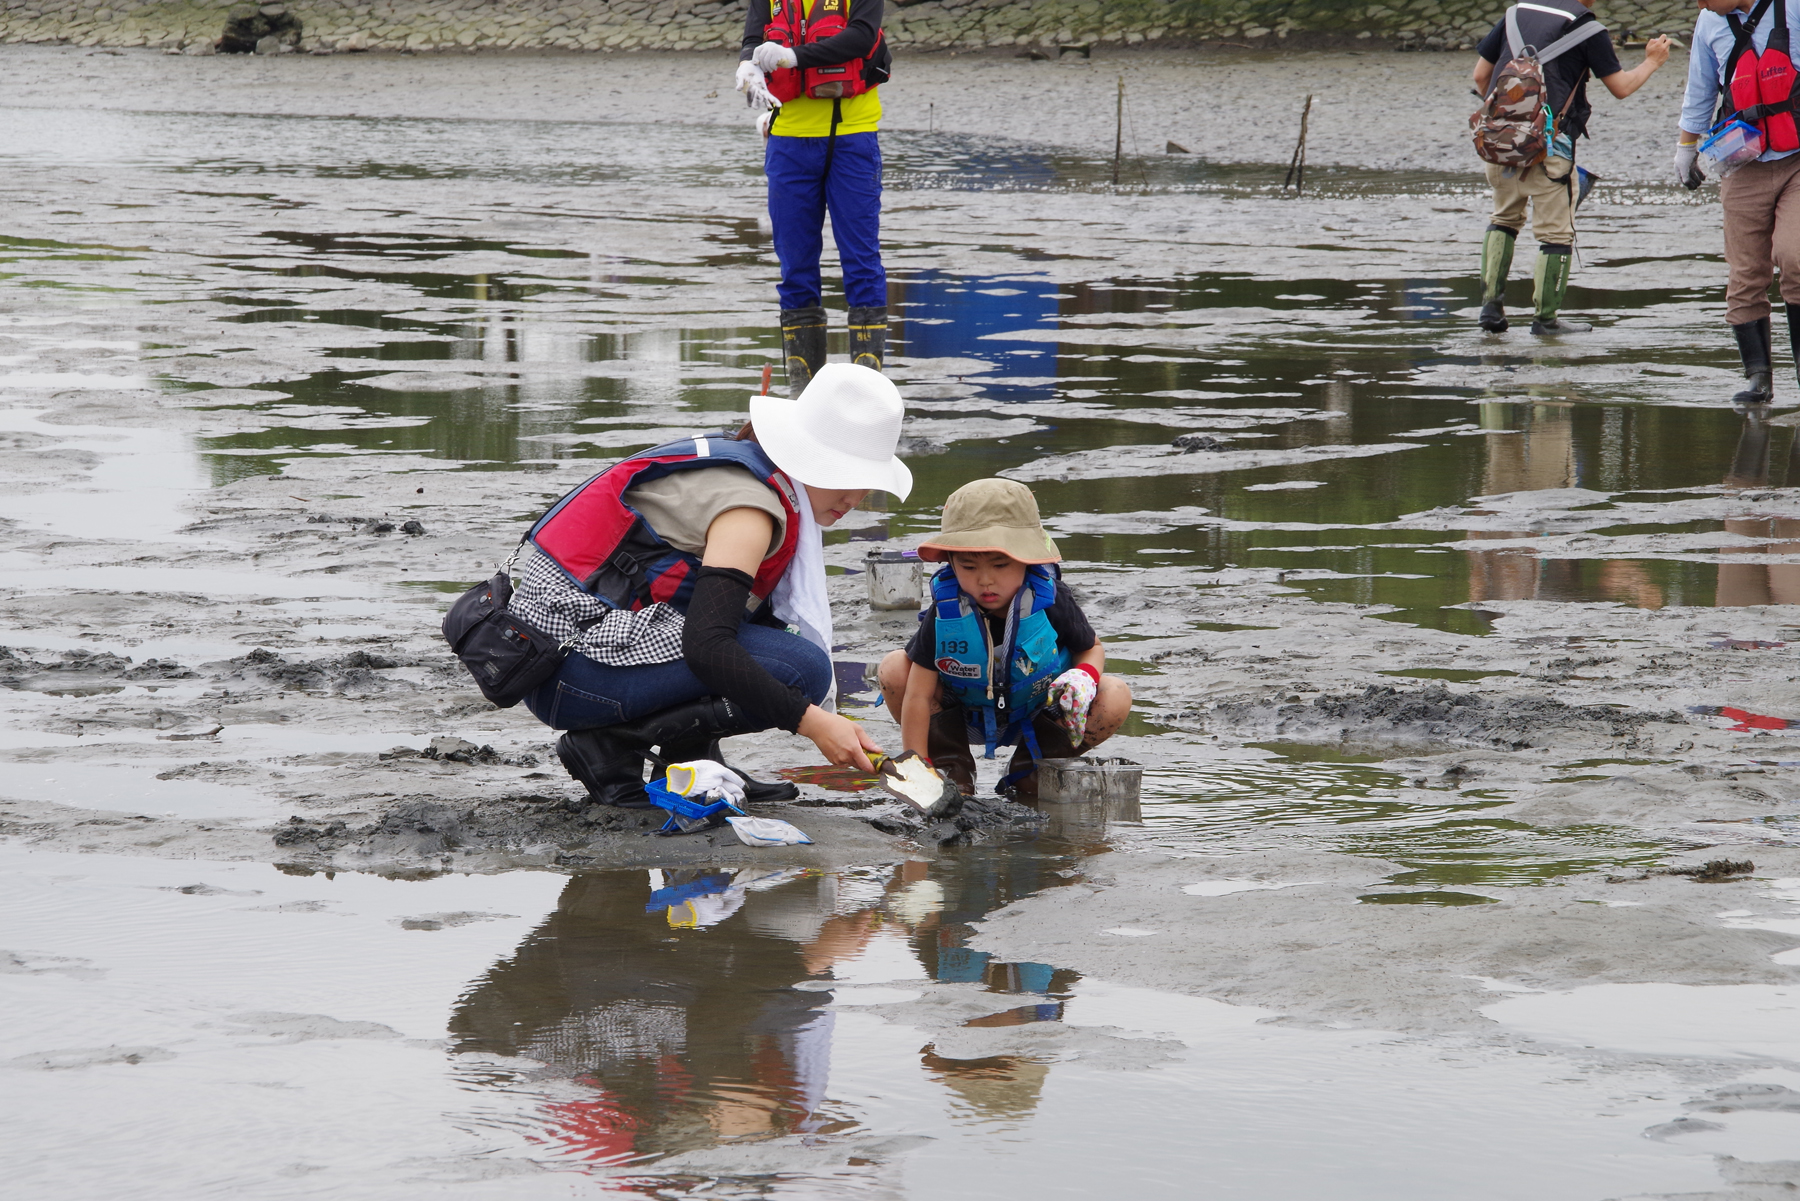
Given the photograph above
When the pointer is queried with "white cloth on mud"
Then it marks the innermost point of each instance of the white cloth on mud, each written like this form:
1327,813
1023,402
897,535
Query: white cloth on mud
800,598
768,832
706,778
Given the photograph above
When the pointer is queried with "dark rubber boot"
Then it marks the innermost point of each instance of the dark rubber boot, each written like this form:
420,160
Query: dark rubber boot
802,345
1053,741
1756,349
1551,280
1793,320
1496,263
609,764
756,792
868,336
947,743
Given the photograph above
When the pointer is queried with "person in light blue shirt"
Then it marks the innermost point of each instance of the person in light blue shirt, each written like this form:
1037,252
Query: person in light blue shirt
1761,199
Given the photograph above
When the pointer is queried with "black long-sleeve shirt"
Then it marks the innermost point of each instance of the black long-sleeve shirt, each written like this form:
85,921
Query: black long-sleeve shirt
856,41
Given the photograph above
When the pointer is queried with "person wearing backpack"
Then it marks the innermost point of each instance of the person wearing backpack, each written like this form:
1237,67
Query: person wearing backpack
1531,71
1740,58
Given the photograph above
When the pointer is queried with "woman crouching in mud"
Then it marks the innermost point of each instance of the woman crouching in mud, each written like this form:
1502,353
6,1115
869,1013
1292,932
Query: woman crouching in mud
676,572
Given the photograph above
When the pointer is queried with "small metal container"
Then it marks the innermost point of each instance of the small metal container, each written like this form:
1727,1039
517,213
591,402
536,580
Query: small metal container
1065,781
896,579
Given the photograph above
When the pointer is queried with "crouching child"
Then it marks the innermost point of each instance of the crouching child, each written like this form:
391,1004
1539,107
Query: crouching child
1003,656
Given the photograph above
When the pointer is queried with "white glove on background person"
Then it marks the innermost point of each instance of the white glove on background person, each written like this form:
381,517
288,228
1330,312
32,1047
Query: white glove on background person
1687,167
1073,694
703,777
755,86
773,57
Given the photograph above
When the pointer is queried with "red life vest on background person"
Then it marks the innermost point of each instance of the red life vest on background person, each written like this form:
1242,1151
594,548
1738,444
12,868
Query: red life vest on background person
607,548
1760,87
789,25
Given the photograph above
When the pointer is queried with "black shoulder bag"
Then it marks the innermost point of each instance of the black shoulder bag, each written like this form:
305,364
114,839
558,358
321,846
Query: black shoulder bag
507,655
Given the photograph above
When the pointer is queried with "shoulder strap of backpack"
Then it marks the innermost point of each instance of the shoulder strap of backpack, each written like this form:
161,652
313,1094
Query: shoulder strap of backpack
1570,40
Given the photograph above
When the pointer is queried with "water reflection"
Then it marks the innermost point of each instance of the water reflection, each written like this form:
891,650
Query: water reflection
1757,583
691,1005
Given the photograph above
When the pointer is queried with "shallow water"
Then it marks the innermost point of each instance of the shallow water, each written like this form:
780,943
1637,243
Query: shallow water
757,1033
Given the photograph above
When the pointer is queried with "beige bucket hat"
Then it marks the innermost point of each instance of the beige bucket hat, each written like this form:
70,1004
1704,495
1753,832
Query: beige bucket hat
992,515
840,433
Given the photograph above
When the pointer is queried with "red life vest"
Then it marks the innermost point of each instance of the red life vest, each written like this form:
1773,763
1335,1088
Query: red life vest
790,26
608,549
1761,86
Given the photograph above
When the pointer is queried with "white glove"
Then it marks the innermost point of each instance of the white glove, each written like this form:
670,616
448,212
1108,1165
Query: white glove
773,57
703,777
763,122
1687,167
754,85
1072,693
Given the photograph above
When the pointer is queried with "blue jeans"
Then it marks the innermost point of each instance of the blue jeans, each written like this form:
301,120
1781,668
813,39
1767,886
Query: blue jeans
584,694
807,178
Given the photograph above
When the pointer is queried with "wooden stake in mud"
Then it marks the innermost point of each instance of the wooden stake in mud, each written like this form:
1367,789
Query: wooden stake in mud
1296,174
1119,132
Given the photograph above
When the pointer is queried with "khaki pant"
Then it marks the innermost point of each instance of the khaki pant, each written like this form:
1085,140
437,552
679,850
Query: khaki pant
1762,232
1546,187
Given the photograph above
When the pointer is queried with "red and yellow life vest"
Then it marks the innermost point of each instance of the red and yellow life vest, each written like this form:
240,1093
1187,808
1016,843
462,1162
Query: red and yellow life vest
608,549
792,25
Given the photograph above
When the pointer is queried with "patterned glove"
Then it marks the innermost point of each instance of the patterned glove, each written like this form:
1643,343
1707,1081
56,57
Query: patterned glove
754,85
773,56
703,777
1072,695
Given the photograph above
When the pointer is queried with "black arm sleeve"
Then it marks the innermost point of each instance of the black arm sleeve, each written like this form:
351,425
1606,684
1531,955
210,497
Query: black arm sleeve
857,40
710,646
756,19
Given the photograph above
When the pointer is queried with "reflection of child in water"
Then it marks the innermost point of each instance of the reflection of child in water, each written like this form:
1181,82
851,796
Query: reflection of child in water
1001,646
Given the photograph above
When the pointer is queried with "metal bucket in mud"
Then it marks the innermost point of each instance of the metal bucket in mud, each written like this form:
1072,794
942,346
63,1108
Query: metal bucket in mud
1066,781
896,579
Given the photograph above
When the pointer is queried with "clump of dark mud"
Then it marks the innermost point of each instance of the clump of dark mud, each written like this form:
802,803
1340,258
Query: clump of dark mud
350,674
1713,871
459,750
1431,714
981,820
1191,443
369,525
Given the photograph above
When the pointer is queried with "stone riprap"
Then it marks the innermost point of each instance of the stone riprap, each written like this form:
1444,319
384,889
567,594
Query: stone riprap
615,25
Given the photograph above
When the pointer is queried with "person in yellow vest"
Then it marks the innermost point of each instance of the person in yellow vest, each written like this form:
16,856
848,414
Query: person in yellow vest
815,66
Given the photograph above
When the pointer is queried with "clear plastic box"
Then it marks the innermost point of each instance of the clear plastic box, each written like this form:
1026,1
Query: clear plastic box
1729,148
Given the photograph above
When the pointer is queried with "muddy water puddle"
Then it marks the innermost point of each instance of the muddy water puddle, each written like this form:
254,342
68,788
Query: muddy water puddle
743,1033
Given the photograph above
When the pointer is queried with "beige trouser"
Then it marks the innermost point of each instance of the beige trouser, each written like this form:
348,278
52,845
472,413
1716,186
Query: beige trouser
1762,232
1546,187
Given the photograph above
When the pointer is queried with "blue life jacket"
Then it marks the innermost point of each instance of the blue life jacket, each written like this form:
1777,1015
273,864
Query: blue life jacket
1031,652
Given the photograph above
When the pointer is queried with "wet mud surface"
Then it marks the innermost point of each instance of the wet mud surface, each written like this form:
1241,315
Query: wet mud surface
1446,648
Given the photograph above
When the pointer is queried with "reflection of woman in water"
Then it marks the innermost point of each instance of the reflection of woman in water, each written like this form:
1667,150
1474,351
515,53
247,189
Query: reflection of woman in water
690,1035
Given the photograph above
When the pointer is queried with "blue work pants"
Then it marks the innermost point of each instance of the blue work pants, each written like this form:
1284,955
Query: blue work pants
809,177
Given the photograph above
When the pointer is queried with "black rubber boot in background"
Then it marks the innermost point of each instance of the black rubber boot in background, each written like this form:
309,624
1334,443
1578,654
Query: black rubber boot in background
1793,319
1551,280
802,345
868,336
1756,348
1496,263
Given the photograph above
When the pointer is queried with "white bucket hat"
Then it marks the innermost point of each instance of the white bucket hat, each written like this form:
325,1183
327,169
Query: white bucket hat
840,433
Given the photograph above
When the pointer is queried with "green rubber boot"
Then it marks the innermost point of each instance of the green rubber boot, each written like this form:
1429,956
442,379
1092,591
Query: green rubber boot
802,345
1496,263
1551,279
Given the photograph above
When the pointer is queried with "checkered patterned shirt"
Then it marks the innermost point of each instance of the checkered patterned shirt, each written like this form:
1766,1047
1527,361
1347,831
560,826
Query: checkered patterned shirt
549,600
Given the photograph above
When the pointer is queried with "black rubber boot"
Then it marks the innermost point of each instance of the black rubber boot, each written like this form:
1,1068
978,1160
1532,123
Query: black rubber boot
947,742
1793,320
1496,262
610,764
756,792
868,336
1754,347
610,759
802,345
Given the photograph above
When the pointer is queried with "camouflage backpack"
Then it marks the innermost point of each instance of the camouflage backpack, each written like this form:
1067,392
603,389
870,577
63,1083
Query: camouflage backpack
1512,126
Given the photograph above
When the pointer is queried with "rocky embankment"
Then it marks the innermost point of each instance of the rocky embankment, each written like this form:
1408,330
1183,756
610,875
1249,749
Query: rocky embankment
329,26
